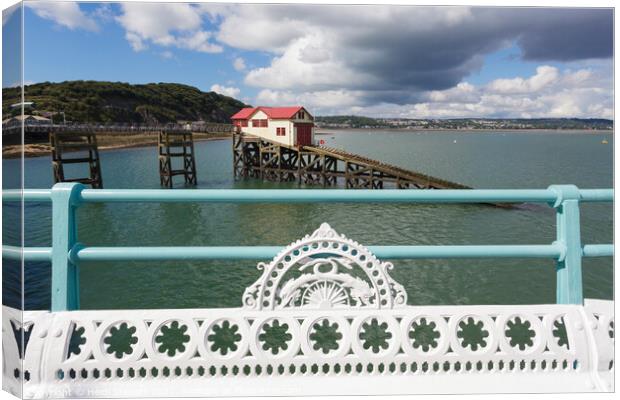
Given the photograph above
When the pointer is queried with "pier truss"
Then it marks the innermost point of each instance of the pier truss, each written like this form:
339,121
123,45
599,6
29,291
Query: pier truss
255,157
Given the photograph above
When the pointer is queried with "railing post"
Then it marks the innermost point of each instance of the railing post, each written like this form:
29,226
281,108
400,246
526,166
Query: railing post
569,286
65,274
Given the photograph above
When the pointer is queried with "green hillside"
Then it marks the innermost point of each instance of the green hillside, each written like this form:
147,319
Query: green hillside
106,102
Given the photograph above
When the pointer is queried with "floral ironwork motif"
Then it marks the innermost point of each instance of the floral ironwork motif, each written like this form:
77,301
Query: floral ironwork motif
76,341
520,333
224,337
121,340
325,336
375,335
172,338
275,337
472,334
424,334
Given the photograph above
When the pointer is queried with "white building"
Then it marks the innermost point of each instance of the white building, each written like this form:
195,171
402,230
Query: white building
291,126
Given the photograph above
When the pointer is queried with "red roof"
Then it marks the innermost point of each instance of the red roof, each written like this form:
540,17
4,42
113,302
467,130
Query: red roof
272,112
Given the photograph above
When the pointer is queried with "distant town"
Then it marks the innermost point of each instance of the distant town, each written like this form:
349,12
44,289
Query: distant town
343,121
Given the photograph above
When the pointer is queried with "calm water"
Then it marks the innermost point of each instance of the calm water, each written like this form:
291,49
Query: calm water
481,160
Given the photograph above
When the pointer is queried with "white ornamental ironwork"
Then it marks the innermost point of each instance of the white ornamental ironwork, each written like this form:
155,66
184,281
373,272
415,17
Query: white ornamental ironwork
335,272
325,317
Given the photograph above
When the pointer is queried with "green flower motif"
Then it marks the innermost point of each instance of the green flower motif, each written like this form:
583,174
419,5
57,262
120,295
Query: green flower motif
121,340
424,334
172,339
275,337
76,341
560,332
375,335
472,334
325,336
224,337
520,333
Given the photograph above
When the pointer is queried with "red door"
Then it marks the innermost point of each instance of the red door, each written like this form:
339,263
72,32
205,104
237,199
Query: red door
304,134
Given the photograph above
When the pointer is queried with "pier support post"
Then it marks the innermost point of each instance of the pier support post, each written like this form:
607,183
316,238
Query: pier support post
65,274
569,289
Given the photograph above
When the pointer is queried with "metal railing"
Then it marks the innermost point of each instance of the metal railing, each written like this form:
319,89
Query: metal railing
66,252
129,128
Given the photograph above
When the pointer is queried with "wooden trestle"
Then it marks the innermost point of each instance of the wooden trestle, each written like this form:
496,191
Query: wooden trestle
83,143
260,158
173,144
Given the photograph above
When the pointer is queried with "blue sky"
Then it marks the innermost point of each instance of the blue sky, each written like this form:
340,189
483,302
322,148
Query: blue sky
374,60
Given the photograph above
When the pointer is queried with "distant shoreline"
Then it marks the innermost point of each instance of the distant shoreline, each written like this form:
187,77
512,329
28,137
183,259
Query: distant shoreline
328,131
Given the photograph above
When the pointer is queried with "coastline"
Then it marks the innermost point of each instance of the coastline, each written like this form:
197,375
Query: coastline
329,131
43,149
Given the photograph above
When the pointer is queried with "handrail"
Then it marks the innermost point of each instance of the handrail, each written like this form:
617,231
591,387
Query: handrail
66,253
82,253
312,195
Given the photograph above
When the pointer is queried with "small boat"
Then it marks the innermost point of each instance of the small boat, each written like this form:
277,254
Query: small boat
604,141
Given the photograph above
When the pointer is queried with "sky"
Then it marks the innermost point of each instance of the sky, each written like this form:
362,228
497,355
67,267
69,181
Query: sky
379,61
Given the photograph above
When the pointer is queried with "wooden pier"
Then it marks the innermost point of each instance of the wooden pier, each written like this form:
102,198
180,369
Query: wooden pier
85,145
260,158
176,145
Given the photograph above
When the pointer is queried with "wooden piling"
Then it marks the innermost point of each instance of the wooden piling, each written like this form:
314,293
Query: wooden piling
176,144
84,143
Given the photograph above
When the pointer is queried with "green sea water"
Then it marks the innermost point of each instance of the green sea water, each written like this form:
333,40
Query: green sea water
478,159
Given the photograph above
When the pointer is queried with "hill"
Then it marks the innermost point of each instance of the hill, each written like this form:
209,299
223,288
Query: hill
106,102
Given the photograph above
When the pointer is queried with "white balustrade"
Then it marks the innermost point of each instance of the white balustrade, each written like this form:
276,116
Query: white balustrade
325,317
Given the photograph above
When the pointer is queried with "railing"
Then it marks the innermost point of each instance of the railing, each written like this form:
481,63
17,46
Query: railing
66,252
119,127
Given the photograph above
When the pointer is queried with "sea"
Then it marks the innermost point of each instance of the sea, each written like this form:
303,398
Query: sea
481,159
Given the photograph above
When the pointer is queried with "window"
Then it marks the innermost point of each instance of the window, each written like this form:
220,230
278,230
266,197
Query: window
244,123
280,131
301,115
263,123
255,123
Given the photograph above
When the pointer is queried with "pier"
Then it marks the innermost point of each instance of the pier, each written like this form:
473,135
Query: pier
257,157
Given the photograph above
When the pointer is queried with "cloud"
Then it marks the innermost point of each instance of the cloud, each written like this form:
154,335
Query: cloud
8,12
167,25
395,53
226,91
239,64
67,14
545,75
548,92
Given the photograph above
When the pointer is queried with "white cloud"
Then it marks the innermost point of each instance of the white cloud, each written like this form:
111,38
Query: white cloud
292,71
545,75
239,64
167,25
7,13
67,14
225,90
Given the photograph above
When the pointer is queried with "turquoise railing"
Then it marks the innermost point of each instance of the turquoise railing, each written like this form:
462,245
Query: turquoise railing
66,253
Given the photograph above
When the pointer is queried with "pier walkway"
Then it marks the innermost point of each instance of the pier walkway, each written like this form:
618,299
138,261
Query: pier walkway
260,158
